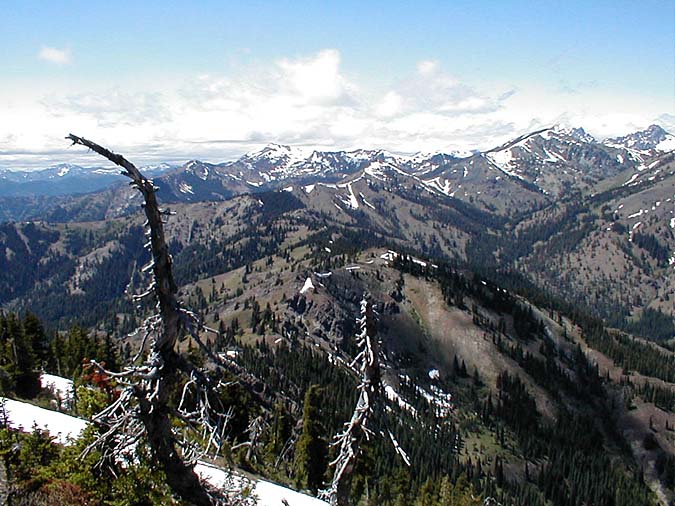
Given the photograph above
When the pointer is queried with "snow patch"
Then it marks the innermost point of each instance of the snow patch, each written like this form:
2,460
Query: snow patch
393,396
503,161
350,200
365,201
23,416
553,157
390,255
185,188
437,184
307,286
434,374
441,400
62,388
266,492
667,144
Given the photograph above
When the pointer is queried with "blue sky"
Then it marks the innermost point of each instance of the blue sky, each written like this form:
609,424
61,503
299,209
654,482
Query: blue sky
179,80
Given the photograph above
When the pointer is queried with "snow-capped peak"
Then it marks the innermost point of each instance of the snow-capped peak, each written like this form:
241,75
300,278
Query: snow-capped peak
63,168
652,138
576,133
279,153
197,168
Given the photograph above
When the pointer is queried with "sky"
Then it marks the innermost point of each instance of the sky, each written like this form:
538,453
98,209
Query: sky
173,81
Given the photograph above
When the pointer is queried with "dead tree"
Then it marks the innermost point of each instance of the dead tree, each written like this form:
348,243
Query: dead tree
370,394
143,410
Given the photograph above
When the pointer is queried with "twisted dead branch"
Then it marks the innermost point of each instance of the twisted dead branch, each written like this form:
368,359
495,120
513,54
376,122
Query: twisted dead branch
358,430
143,410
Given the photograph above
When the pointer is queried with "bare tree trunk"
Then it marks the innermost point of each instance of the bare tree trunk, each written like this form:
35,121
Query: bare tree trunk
163,371
357,430
370,399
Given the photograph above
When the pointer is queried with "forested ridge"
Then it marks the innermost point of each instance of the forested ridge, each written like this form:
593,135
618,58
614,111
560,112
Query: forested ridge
553,464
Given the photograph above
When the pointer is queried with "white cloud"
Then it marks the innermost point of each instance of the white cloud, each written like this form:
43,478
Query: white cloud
112,107
308,100
316,78
54,55
390,105
427,67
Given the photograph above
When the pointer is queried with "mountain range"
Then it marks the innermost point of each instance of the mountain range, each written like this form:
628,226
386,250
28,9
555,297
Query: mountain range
592,220
538,167
524,292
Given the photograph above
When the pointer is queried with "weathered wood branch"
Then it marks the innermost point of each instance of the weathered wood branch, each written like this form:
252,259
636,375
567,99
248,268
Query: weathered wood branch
165,288
152,384
357,429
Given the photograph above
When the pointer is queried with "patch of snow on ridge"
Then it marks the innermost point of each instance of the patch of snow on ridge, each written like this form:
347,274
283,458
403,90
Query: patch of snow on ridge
437,185
185,188
503,161
374,169
553,157
365,201
441,401
307,286
393,396
349,200
667,144
632,179
390,255
271,494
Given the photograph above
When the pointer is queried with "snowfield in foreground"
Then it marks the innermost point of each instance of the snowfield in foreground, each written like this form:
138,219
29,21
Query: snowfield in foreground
24,416
267,493
66,428
63,388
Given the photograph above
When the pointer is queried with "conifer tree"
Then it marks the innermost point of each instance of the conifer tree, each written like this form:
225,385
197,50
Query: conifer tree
311,453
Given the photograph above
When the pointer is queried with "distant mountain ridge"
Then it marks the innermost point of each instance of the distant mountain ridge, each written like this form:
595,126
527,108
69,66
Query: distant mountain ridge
530,171
651,139
64,179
